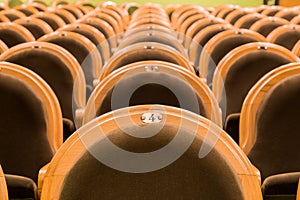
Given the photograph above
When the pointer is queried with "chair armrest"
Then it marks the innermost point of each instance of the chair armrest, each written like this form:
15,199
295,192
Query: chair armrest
281,184
20,187
41,178
232,126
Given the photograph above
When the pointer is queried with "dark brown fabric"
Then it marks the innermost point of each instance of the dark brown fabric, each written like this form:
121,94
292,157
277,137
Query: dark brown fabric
222,48
288,39
24,145
244,73
149,91
11,37
267,28
49,21
53,70
276,149
187,178
35,30
20,187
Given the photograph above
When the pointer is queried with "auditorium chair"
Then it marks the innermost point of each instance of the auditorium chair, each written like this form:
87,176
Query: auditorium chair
187,23
226,10
12,14
36,26
236,14
85,52
27,9
269,131
119,17
93,34
76,12
286,35
65,15
12,34
104,28
52,19
152,36
3,18
109,19
202,37
3,187
296,49
117,9
248,20
59,69
266,25
144,51
198,26
39,5
238,71
271,10
156,21
109,160
221,44
31,128
287,13
296,20
152,82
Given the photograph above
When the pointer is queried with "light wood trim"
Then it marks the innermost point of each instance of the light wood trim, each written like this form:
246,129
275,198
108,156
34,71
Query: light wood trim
120,17
38,5
137,23
49,99
272,37
226,10
79,90
286,11
228,60
296,20
163,49
93,51
201,34
220,8
253,101
24,32
3,18
270,9
238,12
268,20
73,9
121,12
200,88
298,192
3,187
296,49
26,7
179,11
74,148
187,14
210,46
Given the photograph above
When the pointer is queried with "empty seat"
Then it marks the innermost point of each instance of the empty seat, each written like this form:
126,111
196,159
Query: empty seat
76,12
189,13
202,37
63,14
266,25
269,130
58,68
85,52
93,34
286,35
139,166
248,20
52,19
12,34
36,26
240,69
27,9
271,10
219,45
152,82
236,14
31,128
144,51
3,187
12,14
287,13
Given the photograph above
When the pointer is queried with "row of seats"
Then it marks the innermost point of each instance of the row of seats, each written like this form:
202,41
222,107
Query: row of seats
140,88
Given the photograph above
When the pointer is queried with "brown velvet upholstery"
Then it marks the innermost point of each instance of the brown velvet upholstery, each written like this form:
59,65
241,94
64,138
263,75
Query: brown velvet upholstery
53,70
244,73
152,93
24,147
276,149
187,178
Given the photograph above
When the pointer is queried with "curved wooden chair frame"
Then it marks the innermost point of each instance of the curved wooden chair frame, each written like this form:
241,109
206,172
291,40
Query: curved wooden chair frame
145,46
74,148
200,88
3,187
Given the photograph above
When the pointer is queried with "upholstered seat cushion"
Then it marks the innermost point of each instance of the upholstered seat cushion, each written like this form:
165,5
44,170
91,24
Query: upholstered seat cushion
20,187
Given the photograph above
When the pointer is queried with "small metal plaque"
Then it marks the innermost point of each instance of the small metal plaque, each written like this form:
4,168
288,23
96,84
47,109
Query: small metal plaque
151,68
151,117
